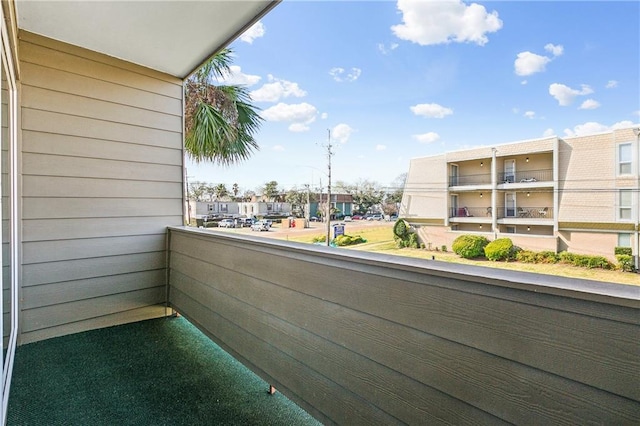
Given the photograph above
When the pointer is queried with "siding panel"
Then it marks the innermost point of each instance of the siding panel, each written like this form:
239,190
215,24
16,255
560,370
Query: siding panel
413,340
102,178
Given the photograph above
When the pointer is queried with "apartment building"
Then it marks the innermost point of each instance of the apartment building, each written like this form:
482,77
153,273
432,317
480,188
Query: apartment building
578,194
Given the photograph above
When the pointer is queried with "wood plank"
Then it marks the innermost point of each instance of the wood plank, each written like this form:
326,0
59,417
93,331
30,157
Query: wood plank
56,123
70,270
82,310
466,317
60,186
398,395
91,87
52,165
45,51
125,317
69,291
73,146
62,208
65,103
61,229
59,250
458,370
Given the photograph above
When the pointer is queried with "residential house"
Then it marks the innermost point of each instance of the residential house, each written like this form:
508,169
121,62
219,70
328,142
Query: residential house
264,208
578,194
341,205
215,208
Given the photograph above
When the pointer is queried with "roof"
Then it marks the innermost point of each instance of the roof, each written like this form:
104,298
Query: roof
174,37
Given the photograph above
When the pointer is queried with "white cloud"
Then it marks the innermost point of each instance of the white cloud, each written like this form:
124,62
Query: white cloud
340,74
299,114
590,104
277,148
528,63
611,84
380,147
431,110
555,50
524,82
298,127
565,95
324,116
436,22
341,133
547,133
276,90
636,113
235,76
257,30
429,137
386,50
594,127
530,114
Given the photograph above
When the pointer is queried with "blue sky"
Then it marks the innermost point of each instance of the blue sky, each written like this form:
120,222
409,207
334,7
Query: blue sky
395,80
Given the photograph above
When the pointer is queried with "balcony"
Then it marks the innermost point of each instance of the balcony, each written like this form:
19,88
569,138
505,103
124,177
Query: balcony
528,212
532,177
470,180
464,212
364,338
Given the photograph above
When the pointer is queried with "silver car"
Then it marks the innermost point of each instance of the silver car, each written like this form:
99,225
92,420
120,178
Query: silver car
260,225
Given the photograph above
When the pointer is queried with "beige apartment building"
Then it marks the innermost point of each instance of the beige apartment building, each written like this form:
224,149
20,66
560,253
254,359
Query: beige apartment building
578,194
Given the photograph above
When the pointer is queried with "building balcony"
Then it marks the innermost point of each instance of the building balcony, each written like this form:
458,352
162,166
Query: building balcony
470,212
481,180
351,337
529,178
528,212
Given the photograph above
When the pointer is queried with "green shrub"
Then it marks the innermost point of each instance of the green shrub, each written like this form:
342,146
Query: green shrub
623,250
500,249
526,256
585,261
469,246
404,236
319,239
625,262
444,248
348,240
547,257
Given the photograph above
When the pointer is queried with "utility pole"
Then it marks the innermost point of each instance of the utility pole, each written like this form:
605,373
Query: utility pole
328,215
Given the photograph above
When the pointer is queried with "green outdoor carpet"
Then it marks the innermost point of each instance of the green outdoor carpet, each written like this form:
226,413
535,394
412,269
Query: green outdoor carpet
156,372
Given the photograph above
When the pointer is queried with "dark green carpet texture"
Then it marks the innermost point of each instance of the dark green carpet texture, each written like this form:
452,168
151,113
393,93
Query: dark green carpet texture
156,372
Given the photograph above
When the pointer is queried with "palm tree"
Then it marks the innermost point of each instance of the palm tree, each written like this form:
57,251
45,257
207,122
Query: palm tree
220,121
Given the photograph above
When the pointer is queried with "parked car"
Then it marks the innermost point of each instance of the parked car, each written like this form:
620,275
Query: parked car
375,217
314,219
245,222
227,223
260,225
357,217
348,219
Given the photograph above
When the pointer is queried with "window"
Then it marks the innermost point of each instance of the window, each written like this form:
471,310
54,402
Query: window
625,161
624,240
511,229
624,204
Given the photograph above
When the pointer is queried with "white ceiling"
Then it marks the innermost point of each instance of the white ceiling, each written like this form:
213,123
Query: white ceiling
173,36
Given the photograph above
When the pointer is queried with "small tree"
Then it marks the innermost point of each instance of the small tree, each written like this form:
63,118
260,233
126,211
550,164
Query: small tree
500,249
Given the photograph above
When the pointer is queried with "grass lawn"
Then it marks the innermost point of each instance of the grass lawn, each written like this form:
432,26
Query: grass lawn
380,239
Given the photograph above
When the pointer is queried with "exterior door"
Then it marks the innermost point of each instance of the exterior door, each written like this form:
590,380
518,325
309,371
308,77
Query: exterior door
510,204
453,178
454,206
510,171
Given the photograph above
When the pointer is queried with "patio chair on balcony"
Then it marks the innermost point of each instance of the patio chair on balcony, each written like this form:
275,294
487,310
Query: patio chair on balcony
543,212
489,211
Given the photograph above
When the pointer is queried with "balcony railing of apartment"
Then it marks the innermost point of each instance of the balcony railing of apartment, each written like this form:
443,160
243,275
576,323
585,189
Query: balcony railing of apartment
365,338
528,212
528,176
483,179
470,212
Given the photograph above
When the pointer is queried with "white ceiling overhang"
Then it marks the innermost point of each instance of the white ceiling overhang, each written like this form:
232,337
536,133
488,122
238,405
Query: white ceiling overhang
172,36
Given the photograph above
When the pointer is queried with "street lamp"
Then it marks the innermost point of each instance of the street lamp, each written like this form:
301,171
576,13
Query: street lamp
328,214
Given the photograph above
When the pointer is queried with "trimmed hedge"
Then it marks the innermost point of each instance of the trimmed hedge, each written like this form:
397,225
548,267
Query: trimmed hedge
403,235
469,246
348,240
500,249
623,250
585,261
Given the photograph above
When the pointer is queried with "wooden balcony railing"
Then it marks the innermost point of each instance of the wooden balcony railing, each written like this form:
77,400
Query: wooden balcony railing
363,338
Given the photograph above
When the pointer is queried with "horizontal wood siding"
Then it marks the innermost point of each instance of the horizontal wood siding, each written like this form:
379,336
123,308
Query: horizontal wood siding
101,180
6,217
361,338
